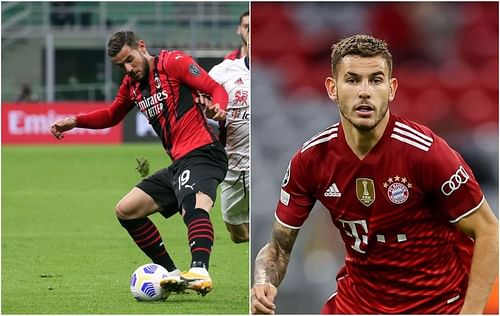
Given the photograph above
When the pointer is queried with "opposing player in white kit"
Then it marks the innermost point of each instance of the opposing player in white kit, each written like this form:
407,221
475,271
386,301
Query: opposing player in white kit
234,76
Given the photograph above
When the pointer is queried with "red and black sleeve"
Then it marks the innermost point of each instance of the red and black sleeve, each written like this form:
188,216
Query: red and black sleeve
108,117
194,76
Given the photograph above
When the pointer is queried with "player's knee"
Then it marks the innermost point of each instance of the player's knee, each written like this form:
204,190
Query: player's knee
123,210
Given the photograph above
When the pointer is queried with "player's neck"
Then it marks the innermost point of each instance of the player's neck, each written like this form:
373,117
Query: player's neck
151,62
244,50
362,142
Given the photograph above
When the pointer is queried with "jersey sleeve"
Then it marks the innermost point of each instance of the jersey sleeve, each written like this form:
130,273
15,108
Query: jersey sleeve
190,73
297,197
451,182
217,73
107,117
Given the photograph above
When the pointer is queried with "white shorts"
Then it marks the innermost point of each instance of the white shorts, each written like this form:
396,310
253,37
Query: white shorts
234,201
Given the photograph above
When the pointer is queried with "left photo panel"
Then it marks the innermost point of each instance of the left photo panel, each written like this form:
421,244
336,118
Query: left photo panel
125,158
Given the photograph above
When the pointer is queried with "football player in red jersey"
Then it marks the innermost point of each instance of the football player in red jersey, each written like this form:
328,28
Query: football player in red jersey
419,235
164,88
242,30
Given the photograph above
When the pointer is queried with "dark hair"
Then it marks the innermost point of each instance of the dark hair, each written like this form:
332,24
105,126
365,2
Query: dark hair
360,45
119,39
244,14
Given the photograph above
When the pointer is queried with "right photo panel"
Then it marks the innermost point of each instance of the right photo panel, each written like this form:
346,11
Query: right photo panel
374,154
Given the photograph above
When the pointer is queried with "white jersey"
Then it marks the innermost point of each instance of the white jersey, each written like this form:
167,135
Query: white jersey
234,76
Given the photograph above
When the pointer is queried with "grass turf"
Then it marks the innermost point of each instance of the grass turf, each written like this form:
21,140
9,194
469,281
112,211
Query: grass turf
64,252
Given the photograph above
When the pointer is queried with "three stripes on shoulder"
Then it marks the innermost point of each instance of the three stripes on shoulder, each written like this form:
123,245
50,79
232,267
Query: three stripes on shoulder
323,136
401,132
411,136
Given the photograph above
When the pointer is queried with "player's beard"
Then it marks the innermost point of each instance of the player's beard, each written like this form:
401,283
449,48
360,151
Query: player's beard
144,70
379,116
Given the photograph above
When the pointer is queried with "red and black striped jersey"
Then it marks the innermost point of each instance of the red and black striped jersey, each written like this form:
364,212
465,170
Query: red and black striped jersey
395,210
167,100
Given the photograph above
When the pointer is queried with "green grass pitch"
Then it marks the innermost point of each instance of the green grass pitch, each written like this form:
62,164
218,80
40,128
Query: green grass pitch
64,252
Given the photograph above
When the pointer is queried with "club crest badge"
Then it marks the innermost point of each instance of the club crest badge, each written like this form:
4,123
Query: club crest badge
398,189
157,83
365,191
194,70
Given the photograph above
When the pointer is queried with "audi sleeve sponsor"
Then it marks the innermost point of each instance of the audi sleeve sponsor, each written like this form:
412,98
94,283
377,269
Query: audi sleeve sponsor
28,123
450,180
455,181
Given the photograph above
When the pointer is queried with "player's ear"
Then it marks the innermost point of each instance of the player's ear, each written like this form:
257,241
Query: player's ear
141,46
393,86
330,85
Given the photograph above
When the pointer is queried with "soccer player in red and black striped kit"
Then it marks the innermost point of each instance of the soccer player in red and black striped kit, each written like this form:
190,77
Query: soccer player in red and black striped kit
420,237
164,88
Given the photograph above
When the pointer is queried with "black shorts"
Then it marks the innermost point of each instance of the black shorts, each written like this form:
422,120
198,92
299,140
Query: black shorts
200,170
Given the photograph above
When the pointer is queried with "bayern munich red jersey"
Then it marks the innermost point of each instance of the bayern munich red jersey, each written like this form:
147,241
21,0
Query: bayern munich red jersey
167,101
395,210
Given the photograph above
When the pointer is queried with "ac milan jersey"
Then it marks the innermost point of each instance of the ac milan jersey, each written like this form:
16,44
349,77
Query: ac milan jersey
234,76
166,99
395,210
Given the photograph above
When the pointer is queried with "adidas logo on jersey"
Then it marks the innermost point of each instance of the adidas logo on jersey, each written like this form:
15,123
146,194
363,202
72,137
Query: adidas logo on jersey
239,81
333,191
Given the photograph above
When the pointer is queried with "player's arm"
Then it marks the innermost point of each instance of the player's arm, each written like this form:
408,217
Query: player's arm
197,78
297,198
98,119
481,225
461,200
270,268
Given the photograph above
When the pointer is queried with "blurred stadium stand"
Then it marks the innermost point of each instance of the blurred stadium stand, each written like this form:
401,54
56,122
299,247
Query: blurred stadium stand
58,48
446,60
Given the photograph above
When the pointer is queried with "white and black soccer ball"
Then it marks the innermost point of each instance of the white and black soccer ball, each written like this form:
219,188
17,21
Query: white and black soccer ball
145,283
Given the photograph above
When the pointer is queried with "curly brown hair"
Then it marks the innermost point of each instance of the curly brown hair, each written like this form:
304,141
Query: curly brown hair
360,45
119,39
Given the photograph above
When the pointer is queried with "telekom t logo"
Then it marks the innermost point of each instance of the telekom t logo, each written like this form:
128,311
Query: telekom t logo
351,230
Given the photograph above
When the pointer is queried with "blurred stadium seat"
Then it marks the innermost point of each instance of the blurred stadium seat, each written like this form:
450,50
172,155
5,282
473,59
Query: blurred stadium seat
33,31
468,73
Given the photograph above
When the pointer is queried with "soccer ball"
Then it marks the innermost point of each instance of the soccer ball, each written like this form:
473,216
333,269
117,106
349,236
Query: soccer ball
145,283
